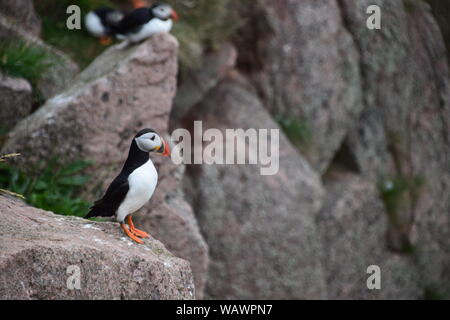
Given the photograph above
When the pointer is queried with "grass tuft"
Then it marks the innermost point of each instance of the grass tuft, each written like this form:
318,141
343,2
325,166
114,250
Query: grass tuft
55,188
19,59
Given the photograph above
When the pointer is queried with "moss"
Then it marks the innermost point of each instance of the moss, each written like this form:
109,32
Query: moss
298,131
99,219
400,194
412,5
158,251
392,191
432,293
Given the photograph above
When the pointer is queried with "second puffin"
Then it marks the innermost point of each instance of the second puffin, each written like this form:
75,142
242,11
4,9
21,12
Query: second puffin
134,185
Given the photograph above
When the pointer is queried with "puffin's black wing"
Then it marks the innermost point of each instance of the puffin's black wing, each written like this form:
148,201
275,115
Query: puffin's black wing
110,18
133,21
110,202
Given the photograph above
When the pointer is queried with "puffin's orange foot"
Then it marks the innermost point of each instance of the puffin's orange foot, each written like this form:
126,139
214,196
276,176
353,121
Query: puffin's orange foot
130,234
137,232
104,41
140,233
139,4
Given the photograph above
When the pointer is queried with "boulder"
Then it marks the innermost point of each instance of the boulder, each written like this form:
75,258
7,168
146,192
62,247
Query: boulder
305,66
16,101
404,131
41,253
62,69
195,84
260,229
22,13
121,92
353,224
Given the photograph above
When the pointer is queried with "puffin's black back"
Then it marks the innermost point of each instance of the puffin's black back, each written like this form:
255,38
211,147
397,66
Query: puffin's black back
133,21
118,189
105,14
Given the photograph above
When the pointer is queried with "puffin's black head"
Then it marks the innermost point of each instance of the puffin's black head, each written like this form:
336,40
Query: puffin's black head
163,11
148,140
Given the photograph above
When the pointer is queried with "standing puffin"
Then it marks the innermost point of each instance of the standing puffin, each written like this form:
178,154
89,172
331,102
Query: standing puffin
143,22
103,22
134,185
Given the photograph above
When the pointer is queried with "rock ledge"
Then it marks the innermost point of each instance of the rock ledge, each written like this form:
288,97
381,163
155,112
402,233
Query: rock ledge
37,247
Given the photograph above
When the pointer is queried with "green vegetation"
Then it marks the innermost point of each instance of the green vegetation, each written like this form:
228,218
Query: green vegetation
412,5
400,194
19,59
298,132
55,188
78,44
392,191
431,293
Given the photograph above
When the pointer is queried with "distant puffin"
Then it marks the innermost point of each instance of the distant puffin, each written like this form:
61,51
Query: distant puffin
143,22
103,22
134,185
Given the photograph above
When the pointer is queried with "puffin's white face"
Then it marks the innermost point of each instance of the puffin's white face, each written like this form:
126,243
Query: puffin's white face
164,12
150,141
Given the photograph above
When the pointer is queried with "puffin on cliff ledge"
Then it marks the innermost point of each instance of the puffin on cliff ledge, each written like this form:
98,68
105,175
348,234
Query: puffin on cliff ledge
143,22
135,184
102,22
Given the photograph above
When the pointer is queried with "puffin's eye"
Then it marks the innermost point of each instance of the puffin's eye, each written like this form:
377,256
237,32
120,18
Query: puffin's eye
152,138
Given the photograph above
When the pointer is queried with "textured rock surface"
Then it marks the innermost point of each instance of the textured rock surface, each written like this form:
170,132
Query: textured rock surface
62,70
195,84
38,246
170,218
121,92
404,131
22,13
16,101
305,66
353,224
262,243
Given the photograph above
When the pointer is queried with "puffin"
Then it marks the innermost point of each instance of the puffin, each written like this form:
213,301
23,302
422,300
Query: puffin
102,23
142,22
134,185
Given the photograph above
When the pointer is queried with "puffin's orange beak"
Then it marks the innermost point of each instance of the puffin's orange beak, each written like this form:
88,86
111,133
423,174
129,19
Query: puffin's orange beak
165,150
174,15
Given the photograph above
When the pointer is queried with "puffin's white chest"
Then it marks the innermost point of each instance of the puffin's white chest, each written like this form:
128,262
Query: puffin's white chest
153,26
142,183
